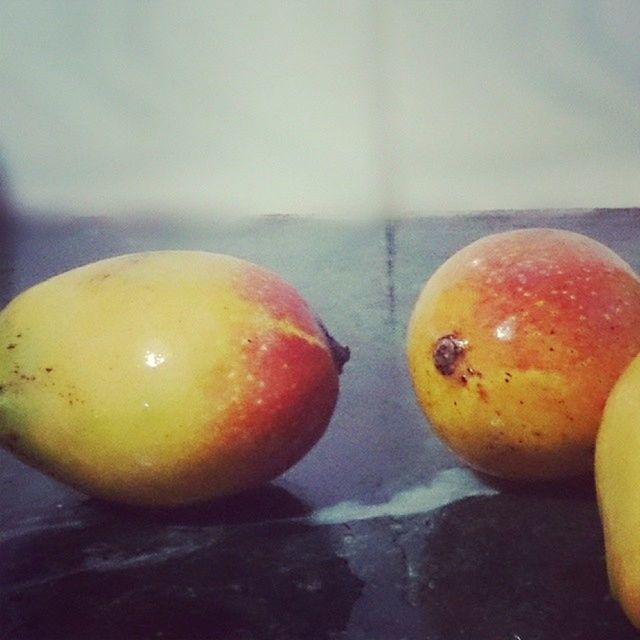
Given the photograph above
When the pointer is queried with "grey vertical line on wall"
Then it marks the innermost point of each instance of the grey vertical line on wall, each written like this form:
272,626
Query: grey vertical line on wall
390,248
383,147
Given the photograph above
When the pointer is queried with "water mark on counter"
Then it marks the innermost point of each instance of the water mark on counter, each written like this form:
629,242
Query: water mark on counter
447,486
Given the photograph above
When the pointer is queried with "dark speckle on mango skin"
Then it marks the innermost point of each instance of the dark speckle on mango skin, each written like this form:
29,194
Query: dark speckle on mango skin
100,277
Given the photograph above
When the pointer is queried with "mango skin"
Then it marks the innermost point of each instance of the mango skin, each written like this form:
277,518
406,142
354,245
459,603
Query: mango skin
163,378
617,475
545,321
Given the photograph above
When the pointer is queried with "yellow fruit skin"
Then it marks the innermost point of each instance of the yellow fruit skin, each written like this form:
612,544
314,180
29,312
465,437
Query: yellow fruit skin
617,474
545,321
163,378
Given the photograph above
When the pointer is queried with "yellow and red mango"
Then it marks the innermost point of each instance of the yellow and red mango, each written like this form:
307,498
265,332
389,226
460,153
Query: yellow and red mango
513,347
164,378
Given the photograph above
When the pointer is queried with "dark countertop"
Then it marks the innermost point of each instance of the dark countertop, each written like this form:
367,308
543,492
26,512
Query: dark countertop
377,534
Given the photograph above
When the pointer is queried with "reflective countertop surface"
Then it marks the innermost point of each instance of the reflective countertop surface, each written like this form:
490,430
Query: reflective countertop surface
378,533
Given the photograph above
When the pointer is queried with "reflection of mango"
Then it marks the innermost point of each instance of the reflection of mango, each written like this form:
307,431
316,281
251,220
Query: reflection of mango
164,377
617,472
513,347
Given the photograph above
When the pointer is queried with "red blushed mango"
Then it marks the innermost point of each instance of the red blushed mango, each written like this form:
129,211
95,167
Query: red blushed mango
165,378
513,347
288,396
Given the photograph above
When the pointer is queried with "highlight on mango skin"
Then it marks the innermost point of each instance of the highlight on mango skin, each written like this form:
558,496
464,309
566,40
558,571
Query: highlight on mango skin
165,378
514,344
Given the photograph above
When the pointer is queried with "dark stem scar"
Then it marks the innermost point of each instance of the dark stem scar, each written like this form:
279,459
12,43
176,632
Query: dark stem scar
447,351
340,354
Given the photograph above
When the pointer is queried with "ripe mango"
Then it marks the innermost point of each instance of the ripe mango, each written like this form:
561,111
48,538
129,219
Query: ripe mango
514,344
164,378
617,474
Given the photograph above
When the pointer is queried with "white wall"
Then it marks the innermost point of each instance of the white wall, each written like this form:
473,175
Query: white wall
332,107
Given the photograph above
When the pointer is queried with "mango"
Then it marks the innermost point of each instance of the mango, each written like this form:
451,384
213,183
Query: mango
514,344
165,378
617,475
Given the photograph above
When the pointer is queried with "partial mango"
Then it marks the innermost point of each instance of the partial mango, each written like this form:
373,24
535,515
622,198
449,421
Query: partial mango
617,473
